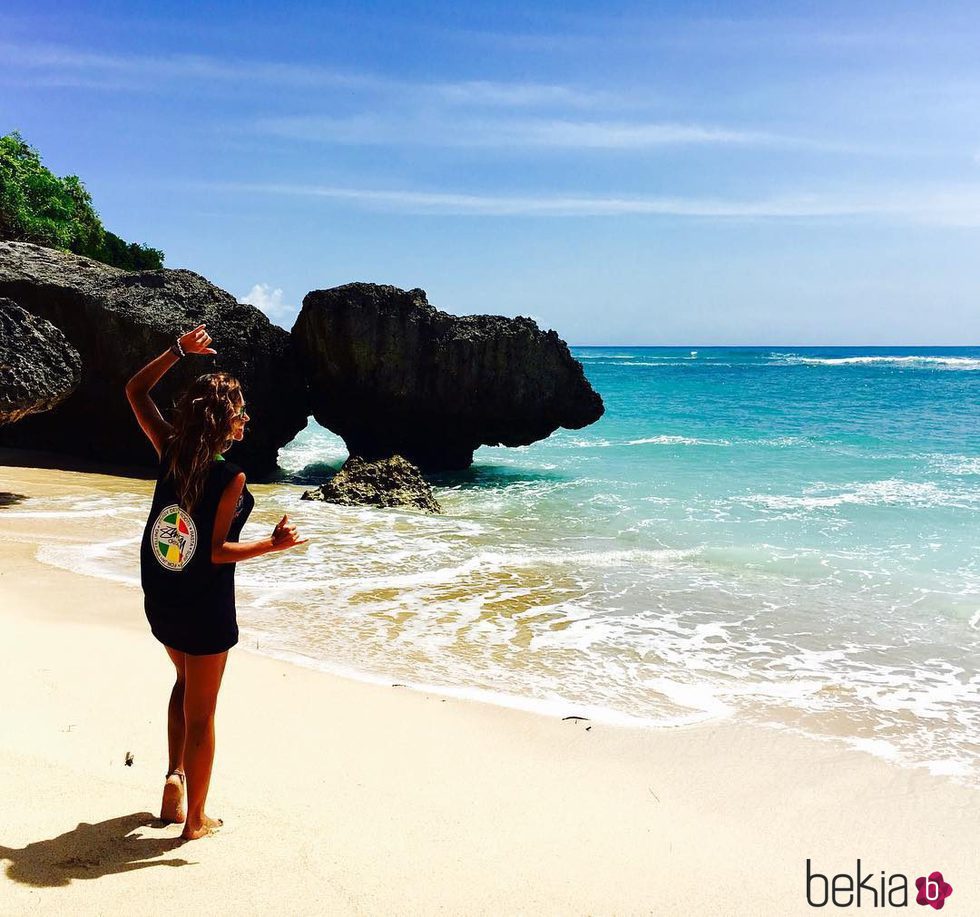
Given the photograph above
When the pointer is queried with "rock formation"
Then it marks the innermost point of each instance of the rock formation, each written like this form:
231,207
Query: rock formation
38,367
385,482
392,375
119,320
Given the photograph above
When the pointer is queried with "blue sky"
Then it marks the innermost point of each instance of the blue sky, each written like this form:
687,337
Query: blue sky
625,173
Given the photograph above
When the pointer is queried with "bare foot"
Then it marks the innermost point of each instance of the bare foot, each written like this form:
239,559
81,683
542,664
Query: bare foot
172,807
205,827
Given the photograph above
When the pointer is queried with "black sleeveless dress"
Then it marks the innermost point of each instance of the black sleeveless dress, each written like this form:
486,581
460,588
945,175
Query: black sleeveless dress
190,601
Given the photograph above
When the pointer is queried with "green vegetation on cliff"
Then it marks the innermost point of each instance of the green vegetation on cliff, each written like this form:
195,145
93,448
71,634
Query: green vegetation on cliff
37,206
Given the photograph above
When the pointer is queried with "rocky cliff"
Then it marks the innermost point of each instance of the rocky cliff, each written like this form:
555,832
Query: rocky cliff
117,321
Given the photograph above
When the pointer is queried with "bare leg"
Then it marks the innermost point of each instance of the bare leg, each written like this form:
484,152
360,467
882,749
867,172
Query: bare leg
172,806
175,728
203,679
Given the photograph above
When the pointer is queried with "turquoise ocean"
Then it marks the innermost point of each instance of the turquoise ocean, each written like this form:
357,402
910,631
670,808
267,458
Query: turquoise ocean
775,535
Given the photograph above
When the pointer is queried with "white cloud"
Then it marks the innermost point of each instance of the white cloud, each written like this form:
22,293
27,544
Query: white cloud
62,62
555,133
269,301
957,205
134,71
625,135
450,114
509,95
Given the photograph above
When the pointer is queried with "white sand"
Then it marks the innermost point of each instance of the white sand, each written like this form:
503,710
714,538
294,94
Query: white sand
341,797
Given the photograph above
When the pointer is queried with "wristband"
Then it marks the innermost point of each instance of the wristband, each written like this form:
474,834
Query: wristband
177,350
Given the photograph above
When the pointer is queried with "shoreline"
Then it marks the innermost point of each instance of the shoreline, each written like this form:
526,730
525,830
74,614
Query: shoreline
42,474
390,801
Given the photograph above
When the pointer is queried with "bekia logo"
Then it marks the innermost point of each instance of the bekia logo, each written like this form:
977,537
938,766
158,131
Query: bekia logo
871,890
933,890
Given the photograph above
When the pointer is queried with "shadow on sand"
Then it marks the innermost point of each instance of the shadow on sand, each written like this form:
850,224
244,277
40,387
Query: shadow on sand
91,851
9,499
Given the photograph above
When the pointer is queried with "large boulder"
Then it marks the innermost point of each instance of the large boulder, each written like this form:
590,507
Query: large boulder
38,367
391,374
384,482
120,320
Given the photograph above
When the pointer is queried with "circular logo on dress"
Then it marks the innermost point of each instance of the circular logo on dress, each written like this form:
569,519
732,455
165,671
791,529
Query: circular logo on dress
174,538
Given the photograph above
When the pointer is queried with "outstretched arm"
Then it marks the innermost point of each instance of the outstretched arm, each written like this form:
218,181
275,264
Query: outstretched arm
138,388
229,552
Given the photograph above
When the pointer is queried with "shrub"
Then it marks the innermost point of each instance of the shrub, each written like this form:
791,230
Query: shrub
37,206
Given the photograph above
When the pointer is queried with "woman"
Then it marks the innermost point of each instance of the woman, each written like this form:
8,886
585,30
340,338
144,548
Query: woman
187,560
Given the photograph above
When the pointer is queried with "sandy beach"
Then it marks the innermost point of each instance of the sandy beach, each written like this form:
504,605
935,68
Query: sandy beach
342,797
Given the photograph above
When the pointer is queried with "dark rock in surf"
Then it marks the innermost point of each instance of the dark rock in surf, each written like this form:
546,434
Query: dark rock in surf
384,482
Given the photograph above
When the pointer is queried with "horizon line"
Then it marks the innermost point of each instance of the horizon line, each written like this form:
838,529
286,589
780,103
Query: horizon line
754,346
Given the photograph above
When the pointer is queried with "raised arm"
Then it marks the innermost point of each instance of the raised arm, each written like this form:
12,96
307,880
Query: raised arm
229,552
138,388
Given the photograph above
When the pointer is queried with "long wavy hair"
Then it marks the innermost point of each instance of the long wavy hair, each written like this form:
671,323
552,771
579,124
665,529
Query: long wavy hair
202,425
